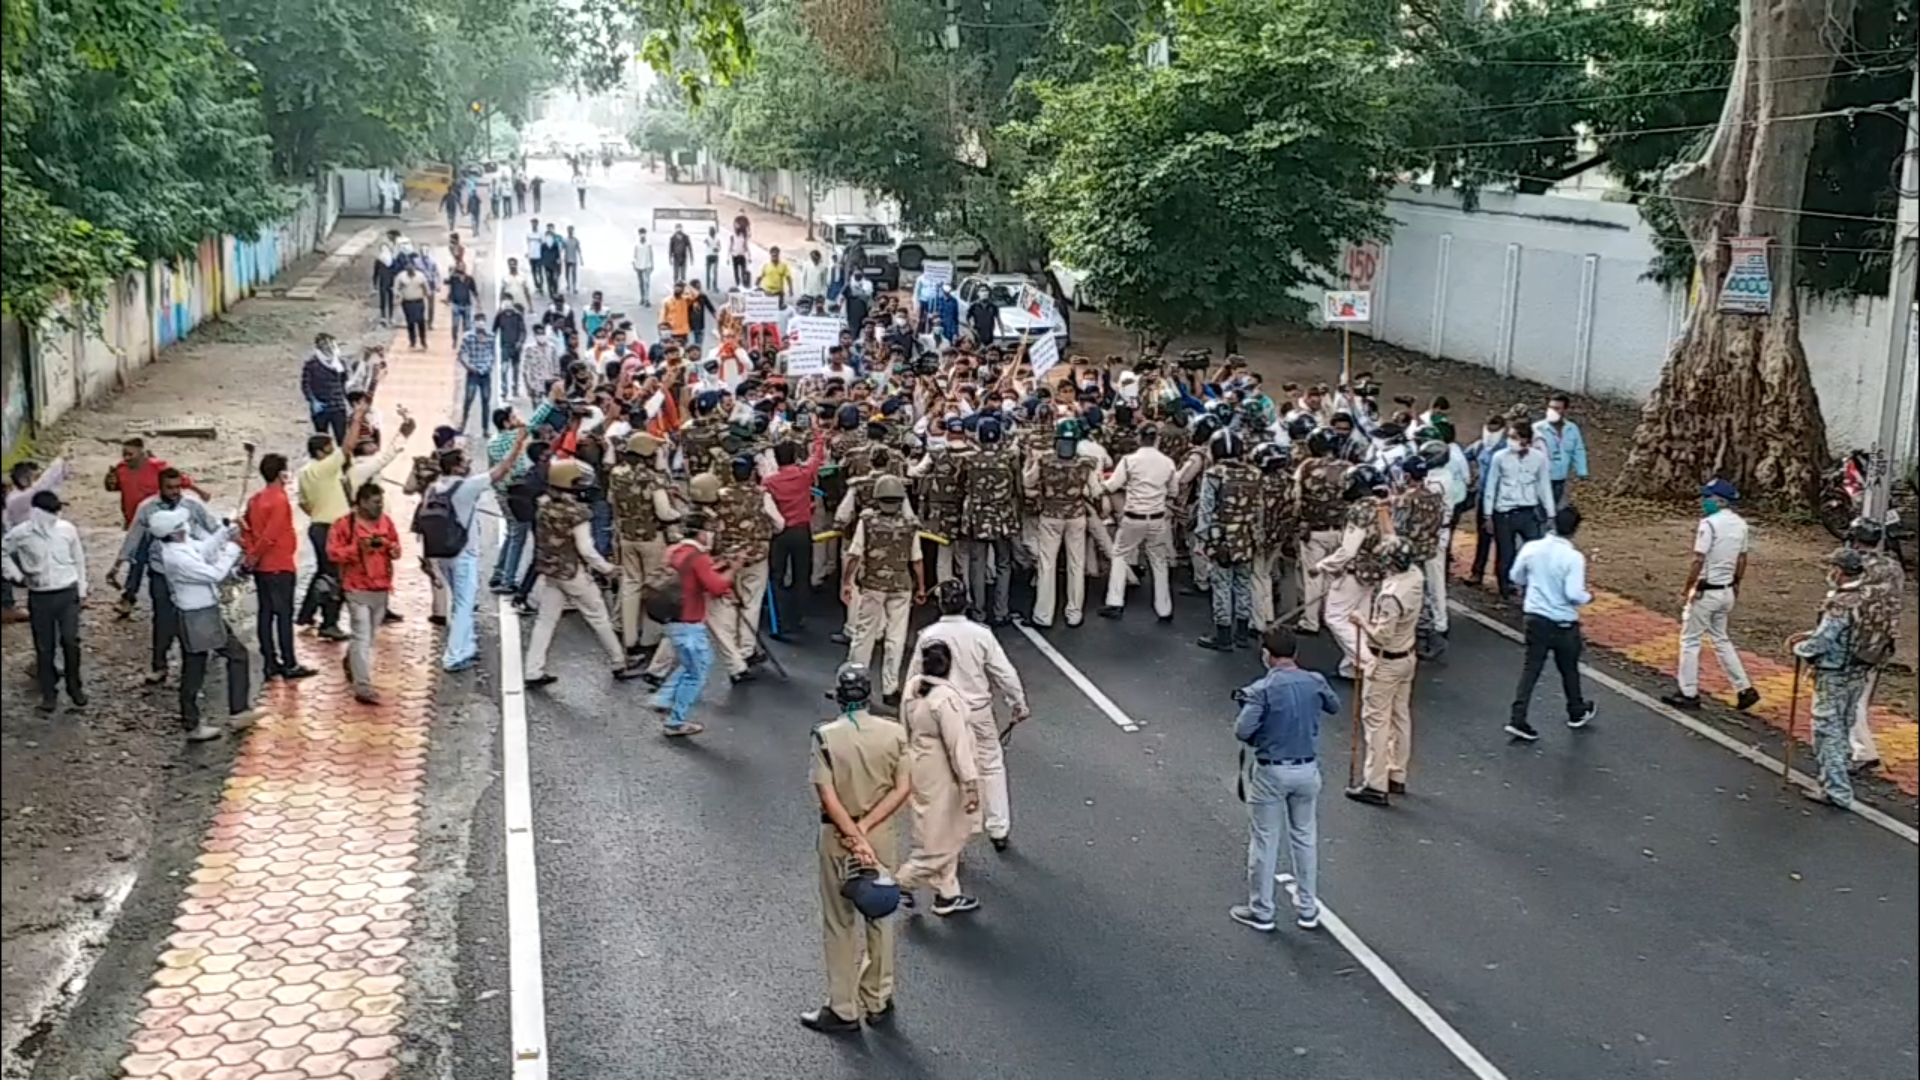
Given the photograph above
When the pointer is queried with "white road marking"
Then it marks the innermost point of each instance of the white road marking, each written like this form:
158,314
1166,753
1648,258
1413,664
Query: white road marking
1100,701
1397,988
1701,728
526,981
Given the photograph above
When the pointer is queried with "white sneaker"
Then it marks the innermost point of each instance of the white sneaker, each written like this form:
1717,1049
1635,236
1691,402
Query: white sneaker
1308,922
244,720
1244,915
204,733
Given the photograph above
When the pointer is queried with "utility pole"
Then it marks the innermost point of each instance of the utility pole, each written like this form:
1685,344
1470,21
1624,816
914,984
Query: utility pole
1906,261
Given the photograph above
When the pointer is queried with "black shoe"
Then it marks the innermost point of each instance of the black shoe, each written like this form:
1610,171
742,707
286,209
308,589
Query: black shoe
639,652
892,700
542,680
881,1016
999,622
1000,843
392,617
1685,702
907,901
757,659
839,637
1242,635
1304,631
739,677
1522,730
828,1022
48,705
1587,713
1370,796
628,674
1110,612
441,620
1396,787
334,633
1164,618
78,698
1221,640
954,905
1866,766
1748,699
1075,624
655,681
298,671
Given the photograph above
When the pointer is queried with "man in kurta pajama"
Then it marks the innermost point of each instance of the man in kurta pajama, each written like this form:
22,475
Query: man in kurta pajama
980,667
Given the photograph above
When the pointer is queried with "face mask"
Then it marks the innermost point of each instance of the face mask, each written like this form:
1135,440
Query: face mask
1709,507
1553,416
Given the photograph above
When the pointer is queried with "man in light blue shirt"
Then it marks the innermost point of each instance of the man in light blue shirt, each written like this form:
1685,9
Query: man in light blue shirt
1279,725
1566,448
1554,574
1516,500
462,572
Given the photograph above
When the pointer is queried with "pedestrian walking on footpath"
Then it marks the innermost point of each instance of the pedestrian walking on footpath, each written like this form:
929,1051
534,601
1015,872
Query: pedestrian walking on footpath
475,356
44,556
571,258
980,670
945,773
1720,546
323,382
643,268
272,552
1852,640
195,569
413,289
862,777
1553,575
1279,725
365,545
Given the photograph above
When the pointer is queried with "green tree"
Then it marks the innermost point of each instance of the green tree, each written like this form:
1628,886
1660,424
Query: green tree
1198,197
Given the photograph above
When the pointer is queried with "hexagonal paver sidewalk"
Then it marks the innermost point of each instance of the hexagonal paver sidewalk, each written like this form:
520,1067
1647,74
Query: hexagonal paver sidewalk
287,960
1638,633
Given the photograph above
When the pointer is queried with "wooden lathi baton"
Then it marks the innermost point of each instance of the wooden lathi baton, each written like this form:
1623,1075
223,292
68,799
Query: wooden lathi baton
1793,716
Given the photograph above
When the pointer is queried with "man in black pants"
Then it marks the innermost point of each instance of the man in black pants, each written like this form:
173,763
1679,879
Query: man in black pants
1554,575
44,555
1516,498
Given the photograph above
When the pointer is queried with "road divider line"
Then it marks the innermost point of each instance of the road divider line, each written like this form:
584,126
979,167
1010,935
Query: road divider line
1701,728
1100,701
1397,988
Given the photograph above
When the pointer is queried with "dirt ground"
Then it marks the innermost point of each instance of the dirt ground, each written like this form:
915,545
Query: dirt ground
1636,548
85,795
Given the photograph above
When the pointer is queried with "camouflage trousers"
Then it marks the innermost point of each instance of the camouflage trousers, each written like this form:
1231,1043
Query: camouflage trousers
1836,696
1232,592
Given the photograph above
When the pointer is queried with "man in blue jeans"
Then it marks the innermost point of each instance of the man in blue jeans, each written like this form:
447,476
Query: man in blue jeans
475,355
1280,780
462,572
701,580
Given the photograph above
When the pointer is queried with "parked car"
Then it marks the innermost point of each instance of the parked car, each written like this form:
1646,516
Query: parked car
1027,307
859,246
968,256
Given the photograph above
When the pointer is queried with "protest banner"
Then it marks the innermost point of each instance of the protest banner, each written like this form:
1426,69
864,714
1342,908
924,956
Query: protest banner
1043,353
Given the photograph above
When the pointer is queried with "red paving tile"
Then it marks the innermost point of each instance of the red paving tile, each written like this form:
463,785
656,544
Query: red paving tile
1645,637
287,961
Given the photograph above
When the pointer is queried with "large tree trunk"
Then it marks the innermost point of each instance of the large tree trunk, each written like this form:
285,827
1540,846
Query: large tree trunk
1735,400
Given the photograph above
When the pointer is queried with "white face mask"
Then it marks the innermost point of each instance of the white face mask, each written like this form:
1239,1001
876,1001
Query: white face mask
1553,416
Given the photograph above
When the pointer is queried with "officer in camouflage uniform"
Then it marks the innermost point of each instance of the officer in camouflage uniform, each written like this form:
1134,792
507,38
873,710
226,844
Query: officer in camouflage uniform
849,457
857,500
1198,460
1353,569
1061,488
1281,523
940,498
704,438
1854,637
1229,525
563,553
642,506
988,524
1387,633
1886,581
1420,515
1319,484
885,566
747,521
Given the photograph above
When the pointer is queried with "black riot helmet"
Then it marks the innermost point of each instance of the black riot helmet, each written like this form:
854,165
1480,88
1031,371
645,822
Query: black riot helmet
952,597
1227,446
1413,467
1271,457
1203,428
744,466
852,685
1301,426
1362,481
1321,442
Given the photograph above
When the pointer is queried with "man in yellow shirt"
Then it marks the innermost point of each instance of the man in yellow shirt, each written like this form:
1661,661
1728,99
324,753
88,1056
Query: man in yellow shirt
322,489
776,276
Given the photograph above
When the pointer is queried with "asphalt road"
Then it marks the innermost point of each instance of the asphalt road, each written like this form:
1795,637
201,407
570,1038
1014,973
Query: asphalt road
1624,901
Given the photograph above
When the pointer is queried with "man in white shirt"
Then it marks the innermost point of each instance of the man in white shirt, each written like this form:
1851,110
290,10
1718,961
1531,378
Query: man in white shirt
517,287
980,668
1720,544
712,243
44,554
643,268
810,280
195,571
1146,476
535,242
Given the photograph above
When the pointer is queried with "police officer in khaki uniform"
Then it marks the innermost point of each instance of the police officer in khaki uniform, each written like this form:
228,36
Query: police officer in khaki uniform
1353,570
859,497
642,508
1063,488
563,552
885,566
860,773
1387,635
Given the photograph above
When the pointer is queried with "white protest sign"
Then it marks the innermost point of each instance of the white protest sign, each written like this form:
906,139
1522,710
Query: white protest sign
812,335
1348,307
760,307
1043,353
1748,288
1039,304
802,361
936,273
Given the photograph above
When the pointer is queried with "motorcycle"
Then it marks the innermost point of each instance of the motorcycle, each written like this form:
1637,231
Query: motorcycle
1842,494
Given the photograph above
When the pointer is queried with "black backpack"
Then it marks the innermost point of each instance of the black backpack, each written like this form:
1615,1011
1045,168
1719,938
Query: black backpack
442,534
663,594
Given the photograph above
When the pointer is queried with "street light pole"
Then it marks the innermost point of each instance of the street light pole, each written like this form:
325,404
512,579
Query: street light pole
1906,259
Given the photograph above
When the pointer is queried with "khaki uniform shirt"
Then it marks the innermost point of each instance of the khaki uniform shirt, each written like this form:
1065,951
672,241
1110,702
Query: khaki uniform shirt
862,757
1396,612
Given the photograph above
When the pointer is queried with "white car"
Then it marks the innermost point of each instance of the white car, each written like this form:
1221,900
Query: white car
1027,308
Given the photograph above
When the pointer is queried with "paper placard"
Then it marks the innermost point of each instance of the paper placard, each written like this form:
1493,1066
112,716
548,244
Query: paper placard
759,307
816,331
804,360
1748,288
1348,306
936,273
1043,353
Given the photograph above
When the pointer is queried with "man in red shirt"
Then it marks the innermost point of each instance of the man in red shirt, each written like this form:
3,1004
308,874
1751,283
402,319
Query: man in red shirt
137,478
701,579
365,545
791,487
271,549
